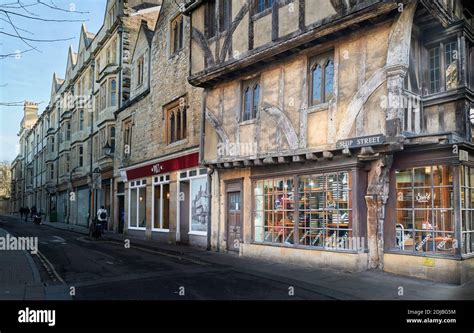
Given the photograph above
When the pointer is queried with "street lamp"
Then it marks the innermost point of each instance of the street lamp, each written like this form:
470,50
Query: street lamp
95,179
108,149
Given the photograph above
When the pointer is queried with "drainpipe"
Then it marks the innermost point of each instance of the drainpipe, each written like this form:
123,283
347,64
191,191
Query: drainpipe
93,64
69,197
209,198
209,172
120,83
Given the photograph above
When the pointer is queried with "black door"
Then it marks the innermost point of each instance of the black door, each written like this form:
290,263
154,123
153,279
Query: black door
121,208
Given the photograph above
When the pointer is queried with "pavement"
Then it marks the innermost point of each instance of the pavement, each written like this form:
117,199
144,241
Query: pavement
19,277
162,268
340,285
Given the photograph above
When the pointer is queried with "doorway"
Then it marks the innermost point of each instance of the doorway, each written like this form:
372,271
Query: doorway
121,211
234,216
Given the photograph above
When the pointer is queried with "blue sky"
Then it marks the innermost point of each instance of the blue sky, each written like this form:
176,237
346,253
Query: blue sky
30,76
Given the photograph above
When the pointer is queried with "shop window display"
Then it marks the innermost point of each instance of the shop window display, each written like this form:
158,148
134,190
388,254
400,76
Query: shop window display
425,214
467,205
324,210
137,205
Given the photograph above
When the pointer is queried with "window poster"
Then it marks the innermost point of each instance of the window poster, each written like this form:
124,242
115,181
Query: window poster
199,205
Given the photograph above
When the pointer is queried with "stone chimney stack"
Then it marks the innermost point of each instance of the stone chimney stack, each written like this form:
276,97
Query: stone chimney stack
30,114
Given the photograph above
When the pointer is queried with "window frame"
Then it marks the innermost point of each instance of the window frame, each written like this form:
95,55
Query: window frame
251,86
322,60
442,81
211,27
136,185
103,96
434,250
140,71
225,16
174,133
353,193
160,181
467,208
176,35
189,176
80,155
267,5
51,171
112,102
112,134
81,120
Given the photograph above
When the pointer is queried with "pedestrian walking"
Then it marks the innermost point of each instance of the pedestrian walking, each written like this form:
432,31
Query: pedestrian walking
26,212
102,217
33,212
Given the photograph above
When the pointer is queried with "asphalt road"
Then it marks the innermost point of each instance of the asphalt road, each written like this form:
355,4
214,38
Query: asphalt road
106,270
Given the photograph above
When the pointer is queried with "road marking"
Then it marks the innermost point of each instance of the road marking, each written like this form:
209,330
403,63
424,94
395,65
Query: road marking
49,267
198,262
58,239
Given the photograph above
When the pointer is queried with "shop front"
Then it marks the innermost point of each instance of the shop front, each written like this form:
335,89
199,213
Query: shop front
167,200
104,196
62,206
429,229
82,205
312,213
317,212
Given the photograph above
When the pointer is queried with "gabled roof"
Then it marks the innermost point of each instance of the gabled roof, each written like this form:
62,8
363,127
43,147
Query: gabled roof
146,5
85,38
145,33
56,84
71,58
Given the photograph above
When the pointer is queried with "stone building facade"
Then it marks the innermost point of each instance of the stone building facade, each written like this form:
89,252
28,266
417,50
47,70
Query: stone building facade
159,181
18,167
331,133
339,131
66,161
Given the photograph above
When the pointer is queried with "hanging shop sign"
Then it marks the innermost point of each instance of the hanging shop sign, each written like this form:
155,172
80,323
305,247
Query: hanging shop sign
363,141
